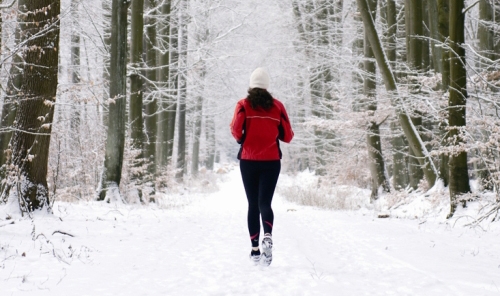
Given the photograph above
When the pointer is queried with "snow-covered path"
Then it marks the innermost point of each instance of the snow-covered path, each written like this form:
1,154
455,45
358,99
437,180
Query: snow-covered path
202,249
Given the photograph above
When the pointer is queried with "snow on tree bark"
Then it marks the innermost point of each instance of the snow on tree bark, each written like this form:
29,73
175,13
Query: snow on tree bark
151,109
182,88
459,174
136,93
115,141
9,107
409,129
31,139
373,141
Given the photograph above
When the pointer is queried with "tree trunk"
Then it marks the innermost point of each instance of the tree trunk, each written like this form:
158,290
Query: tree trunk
415,57
426,58
198,115
304,25
115,141
486,32
392,29
151,109
211,141
414,33
182,76
106,7
31,140
489,18
75,65
136,93
390,83
377,164
305,156
321,79
164,43
400,178
357,73
10,105
173,83
443,27
459,174
399,160
415,172
436,49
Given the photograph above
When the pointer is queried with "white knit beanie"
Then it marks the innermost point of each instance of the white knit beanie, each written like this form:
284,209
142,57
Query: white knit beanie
259,79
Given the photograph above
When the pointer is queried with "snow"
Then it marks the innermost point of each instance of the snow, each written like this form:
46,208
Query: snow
200,246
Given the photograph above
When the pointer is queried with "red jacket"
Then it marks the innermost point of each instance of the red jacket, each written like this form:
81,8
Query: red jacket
259,131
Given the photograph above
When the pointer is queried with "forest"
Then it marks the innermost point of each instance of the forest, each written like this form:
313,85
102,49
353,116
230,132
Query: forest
125,101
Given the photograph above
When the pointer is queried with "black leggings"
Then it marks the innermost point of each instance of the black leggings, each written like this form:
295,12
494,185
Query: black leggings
259,179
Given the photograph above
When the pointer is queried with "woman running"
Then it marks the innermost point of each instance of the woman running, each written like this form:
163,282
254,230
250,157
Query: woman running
259,123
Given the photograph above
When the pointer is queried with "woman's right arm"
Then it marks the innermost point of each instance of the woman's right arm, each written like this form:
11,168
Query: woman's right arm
238,122
286,132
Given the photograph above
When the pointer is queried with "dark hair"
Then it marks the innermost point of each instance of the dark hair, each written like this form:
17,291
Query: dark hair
259,97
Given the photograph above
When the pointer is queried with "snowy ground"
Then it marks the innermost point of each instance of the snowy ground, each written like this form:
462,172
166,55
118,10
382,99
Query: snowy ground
202,249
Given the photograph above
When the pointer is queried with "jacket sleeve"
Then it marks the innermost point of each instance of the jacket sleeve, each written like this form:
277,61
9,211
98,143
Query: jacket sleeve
286,132
237,124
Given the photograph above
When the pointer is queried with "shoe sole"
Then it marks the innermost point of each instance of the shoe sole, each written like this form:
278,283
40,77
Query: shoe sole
267,254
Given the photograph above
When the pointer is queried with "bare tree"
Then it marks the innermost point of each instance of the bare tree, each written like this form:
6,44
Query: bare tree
136,92
390,83
151,102
489,43
31,139
443,12
415,57
182,88
374,143
169,62
10,105
115,141
198,116
75,62
399,158
459,173
106,69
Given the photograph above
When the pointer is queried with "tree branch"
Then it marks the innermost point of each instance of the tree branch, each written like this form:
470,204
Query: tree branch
3,6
